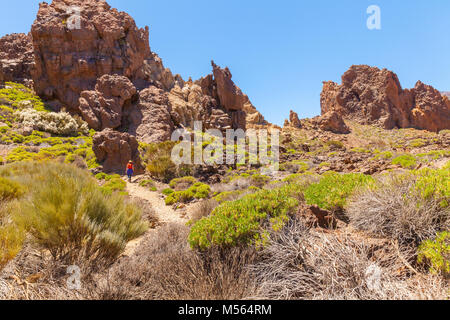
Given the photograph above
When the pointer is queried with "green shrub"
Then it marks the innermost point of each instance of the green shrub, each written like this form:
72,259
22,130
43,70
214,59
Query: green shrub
433,184
168,191
197,191
437,254
333,189
407,161
148,184
67,214
157,157
114,184
20,96
244,221
417,143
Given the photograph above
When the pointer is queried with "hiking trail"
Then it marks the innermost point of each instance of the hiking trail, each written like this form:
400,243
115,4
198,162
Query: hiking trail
165,214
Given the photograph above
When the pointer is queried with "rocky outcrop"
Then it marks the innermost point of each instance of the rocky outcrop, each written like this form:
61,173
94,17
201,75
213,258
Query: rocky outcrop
103,108
69,60
114,149
294,121
369,95
333,122
150,120
231,98
16,58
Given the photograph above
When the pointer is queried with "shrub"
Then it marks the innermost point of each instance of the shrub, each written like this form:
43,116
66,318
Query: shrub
157,156
197,191
67,214
301,263
148,184
114,184
12,234
437,254
165,268
203,209
19,96
244,221
182,183
9,190
417,143
59,123
406,161
399,208
333,189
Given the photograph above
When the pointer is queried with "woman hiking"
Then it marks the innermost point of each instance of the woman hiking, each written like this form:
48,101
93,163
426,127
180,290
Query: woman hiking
130,170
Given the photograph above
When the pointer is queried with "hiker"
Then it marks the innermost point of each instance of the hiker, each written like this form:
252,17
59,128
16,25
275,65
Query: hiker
130,170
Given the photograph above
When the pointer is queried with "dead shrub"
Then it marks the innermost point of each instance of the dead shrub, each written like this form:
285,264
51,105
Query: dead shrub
304,264
166,268
395,211
203,209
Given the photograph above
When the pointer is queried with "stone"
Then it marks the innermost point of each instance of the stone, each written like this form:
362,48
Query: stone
16,58
369,95
103,108
333,122
114,149
70,60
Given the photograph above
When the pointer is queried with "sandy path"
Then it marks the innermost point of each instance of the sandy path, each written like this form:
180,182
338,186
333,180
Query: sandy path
164,213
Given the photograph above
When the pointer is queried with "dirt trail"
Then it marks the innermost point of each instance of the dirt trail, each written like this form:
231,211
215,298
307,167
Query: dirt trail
164,213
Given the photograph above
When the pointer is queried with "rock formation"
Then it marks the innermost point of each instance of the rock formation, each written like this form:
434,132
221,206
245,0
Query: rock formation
16,58
150,120
103,108
369,95
114,149
69,60
333,122
294,121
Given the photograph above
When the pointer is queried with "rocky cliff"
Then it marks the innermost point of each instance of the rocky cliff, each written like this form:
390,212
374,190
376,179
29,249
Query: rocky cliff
16,58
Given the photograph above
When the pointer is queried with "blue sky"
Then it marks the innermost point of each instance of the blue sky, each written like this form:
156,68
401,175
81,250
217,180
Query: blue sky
280,51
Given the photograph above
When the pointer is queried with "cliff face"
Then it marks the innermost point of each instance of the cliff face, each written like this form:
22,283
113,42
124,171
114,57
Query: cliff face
372,96
16,58
69,59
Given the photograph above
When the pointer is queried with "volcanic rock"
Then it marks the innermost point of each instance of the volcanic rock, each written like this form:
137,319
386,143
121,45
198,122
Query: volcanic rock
69,60
114,149
16,58
333,122
103,108
369,95
150,120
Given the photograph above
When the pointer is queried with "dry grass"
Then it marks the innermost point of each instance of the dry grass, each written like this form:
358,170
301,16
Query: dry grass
203,209
303,264
391,210
166,268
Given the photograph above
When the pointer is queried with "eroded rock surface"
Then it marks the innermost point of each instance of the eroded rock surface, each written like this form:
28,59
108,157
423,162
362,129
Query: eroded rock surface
114,149
69,60
369,95
16,58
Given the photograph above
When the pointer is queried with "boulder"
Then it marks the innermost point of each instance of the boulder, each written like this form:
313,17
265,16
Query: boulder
114,149
103,108
333,122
